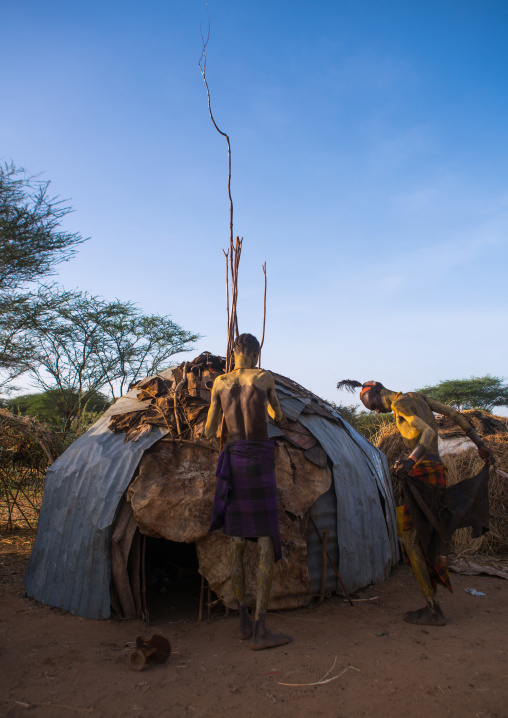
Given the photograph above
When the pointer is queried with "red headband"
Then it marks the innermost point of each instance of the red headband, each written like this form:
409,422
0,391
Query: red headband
368,386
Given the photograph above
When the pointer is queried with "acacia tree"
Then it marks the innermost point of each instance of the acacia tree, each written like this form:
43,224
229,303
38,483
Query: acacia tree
71,344
477,392
32,243
20,313
87,343
31,239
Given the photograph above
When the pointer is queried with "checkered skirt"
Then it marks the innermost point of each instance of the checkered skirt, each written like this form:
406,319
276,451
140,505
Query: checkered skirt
245,501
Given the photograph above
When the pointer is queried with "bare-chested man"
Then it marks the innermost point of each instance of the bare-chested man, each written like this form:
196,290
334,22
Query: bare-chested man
419,430
246,494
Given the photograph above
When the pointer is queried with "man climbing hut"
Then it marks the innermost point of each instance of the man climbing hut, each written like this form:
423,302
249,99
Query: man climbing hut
419,430
245,501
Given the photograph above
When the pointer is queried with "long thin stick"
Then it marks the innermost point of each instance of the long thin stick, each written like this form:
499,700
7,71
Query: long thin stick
201,599
264,319
233,253
143,579
226,254
202,67
324,556
331,563
175,401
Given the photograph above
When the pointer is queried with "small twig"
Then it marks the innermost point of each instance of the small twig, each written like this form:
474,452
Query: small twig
177,389
187,420
317,683
329,671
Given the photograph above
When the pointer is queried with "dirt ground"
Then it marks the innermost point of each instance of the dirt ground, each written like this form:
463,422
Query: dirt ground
370,662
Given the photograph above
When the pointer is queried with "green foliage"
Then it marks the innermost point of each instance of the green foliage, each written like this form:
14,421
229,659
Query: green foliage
31,241
367,423
55,407
477,392
77,344
31,245
20,313
349,412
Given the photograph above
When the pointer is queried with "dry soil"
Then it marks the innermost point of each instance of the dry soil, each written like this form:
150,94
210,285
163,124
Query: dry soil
363,660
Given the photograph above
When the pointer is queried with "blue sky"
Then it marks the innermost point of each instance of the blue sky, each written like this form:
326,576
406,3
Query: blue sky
369,151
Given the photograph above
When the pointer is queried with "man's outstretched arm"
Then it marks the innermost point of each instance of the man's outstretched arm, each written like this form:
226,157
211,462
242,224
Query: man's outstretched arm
484,451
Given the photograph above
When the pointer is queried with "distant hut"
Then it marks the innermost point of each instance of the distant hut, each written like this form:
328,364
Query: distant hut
144,477
453,440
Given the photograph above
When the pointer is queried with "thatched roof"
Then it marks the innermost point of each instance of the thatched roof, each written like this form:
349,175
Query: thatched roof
485,424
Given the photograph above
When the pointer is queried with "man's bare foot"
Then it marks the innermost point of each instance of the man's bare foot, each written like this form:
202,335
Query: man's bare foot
428,616
261,638
245,623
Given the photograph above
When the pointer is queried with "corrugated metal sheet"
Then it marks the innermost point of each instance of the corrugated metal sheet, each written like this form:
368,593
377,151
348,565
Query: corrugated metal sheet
324,513
292,407
70,562
378,465
363,532
273,430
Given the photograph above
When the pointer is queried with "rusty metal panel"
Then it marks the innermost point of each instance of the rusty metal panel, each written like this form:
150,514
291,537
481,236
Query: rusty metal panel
70,564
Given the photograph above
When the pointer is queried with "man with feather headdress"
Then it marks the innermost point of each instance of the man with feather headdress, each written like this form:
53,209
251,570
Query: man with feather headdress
424,473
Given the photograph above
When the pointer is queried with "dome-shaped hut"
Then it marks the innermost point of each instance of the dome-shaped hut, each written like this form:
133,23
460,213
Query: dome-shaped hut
145,470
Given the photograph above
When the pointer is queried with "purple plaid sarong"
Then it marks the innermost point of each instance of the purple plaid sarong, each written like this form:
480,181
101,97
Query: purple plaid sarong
245,501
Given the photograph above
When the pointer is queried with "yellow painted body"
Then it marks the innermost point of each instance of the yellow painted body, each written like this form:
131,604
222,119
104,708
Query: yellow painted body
244,375
415,418
419,565
264,572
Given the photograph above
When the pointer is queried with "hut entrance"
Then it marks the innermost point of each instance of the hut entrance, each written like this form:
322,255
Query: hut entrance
151,576
172,580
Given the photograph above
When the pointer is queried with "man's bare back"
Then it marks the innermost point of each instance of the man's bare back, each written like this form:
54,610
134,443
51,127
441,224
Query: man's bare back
245,395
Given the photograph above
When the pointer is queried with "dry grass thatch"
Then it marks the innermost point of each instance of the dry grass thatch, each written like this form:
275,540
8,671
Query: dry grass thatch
468,463
27,448
461,466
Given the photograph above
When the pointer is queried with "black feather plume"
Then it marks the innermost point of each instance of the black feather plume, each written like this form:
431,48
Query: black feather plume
349,385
